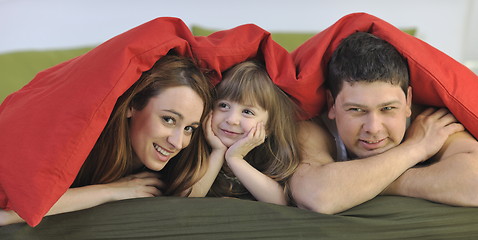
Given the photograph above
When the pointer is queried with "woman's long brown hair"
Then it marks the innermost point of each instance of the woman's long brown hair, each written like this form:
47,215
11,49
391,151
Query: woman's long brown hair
112,156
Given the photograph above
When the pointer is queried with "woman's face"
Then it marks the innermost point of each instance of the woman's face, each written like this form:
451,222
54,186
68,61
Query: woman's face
165,126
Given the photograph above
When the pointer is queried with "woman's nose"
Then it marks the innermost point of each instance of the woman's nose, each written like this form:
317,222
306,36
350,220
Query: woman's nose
176,139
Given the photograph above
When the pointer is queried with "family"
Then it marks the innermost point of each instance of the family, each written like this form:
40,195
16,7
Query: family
175,132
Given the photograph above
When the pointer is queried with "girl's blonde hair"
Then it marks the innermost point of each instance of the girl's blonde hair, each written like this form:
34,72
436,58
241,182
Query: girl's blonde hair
248,83
112,156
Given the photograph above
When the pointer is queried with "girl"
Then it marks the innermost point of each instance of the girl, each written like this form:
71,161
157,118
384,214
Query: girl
252,128
156,121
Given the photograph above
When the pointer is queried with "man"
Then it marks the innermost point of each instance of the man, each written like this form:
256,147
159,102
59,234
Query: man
369,103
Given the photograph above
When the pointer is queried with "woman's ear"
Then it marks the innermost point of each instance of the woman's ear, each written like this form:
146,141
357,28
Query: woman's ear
330,104
129,112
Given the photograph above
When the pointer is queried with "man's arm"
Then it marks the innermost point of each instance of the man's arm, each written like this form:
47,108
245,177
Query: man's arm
325,186
451,179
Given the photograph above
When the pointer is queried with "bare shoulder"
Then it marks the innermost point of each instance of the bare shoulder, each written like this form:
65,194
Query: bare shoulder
460,142
317,145
313,128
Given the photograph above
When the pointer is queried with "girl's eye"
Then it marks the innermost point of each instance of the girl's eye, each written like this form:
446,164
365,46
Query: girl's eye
223,105
248,112
169,120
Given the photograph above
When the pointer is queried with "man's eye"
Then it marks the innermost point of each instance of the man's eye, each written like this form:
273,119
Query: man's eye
355,110
388,108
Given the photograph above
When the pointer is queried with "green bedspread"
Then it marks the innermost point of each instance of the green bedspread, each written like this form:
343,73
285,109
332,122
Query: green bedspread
384,217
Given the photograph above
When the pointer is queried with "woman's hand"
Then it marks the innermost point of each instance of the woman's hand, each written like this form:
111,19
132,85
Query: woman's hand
9,217
144,184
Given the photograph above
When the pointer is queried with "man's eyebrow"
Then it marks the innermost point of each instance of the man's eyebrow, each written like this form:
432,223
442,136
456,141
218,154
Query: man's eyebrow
390,103
352,104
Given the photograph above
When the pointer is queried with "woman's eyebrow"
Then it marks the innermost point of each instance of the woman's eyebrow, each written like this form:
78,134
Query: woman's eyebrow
180,116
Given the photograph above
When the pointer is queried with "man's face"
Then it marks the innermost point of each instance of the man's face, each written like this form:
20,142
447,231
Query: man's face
371,117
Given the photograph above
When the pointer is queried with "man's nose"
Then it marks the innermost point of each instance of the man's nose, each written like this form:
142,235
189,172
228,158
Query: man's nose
373,123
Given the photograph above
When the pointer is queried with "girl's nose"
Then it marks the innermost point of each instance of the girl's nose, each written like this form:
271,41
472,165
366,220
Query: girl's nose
233,118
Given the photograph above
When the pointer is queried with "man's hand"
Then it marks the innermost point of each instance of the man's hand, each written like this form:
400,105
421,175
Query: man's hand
431,129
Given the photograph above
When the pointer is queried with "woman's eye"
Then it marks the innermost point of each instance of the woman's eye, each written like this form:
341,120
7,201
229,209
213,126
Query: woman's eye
189,130
169,120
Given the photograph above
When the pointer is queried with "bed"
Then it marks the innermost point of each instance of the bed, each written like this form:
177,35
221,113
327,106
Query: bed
52,115
385,217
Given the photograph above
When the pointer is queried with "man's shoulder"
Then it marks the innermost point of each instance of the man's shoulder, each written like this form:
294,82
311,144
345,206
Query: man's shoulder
316,141
417,109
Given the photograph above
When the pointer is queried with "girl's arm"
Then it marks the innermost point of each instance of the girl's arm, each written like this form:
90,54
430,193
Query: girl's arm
145,184
216,160
262,187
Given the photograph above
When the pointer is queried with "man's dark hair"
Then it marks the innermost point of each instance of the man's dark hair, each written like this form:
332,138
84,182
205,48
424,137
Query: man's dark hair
363,57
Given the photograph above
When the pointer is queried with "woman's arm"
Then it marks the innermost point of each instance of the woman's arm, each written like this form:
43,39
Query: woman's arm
145,184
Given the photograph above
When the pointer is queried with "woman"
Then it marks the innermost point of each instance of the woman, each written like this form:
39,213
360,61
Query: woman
153,123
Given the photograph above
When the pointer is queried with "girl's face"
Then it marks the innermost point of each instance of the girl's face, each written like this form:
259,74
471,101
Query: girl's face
165,126
231,121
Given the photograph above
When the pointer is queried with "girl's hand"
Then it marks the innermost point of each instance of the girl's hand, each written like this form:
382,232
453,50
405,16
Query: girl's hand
255,137
144,184
211,138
